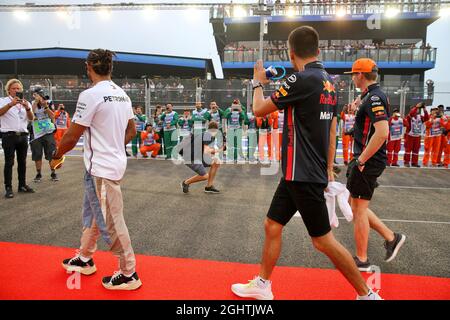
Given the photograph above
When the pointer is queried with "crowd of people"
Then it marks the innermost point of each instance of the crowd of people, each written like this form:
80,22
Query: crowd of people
297,124
167,128
418,124
276,50
324,7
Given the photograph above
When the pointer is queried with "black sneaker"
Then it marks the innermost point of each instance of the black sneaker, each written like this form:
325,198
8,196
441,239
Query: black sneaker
54,176
77,265
415,165
9,193
407,165
25,189
38,178
185,187
393,246
362,266
395,165
119,282
211,190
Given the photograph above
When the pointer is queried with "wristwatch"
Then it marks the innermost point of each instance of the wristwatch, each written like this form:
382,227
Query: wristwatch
359,163
257,84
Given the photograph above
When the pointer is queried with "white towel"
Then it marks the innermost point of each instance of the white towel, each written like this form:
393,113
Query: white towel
337,189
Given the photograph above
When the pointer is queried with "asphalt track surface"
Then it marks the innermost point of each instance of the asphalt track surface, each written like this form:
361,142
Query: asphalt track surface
229,226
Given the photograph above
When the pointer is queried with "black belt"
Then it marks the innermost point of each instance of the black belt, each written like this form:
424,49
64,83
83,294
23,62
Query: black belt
14,133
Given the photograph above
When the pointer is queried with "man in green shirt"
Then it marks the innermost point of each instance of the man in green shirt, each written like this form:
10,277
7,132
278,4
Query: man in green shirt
252,135
235,118
170,120
185,124
140,120
200,117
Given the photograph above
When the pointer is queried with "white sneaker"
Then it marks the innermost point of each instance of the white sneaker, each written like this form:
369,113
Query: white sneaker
252,290
371,296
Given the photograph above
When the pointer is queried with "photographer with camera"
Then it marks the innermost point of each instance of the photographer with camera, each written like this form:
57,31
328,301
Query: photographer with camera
62,122
413,122
15,112
42,140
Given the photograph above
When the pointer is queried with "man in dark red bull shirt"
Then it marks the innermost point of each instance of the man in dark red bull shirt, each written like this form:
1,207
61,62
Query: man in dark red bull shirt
371,130
308,98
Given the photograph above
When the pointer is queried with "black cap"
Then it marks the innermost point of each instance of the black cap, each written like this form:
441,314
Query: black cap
39,91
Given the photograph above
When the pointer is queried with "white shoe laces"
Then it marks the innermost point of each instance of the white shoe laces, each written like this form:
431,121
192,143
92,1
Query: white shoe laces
116,275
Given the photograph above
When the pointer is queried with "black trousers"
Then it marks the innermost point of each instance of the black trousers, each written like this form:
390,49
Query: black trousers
15,144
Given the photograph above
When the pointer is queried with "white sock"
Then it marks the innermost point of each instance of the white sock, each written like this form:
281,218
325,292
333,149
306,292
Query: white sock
84,259
262,283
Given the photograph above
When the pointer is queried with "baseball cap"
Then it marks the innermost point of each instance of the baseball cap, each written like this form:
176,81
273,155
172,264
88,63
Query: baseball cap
39,91
363,65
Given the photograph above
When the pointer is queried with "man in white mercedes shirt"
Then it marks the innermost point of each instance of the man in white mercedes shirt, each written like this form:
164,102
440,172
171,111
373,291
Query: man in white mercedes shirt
105,116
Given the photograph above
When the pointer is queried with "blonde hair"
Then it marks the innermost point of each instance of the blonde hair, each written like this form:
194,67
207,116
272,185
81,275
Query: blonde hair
11,82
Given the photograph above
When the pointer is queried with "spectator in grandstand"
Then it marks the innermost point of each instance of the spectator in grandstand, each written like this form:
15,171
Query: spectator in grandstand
126,86
42,140
140,120
428,52
15,112
413,122
62,122
170,120
149,144
159,90
395,138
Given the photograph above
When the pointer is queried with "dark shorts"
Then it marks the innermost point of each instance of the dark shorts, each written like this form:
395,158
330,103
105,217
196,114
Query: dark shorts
199,168
46,145
362,184
304,197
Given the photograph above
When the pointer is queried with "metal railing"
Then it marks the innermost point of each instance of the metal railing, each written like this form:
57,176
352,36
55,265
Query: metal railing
148,94
298,8
337,55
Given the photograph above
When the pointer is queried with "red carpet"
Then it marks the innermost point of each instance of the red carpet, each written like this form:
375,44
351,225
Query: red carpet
35,272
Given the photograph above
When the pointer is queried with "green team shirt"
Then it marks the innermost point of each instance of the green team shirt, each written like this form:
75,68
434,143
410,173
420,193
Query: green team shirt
140,121
200,117
217,117
234,119
170,119
185,124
